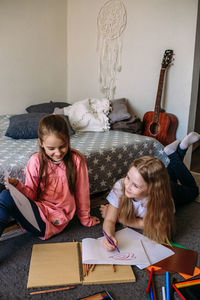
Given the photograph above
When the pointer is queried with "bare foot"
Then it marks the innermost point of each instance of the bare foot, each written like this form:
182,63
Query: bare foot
103,210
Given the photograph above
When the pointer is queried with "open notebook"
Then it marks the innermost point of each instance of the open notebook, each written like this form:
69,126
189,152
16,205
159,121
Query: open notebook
135,249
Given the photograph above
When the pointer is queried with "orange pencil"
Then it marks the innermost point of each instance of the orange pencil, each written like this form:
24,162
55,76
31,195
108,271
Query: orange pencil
84,270
114,268
52,290
93,266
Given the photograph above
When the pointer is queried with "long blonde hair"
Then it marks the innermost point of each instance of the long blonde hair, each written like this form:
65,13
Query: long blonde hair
159,221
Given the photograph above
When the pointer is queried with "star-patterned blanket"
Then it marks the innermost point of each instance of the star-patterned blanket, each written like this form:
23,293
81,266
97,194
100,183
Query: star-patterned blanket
108,154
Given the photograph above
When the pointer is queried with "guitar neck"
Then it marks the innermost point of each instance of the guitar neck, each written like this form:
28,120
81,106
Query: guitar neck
159,95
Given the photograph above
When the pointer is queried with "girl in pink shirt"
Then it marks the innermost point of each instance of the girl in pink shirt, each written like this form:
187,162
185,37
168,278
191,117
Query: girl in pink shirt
56,183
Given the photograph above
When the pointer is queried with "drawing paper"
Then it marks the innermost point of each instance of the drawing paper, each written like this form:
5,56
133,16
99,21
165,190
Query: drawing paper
154,251
131,252
22,203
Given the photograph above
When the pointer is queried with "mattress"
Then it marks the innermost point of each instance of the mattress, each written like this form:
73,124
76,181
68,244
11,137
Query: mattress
108,154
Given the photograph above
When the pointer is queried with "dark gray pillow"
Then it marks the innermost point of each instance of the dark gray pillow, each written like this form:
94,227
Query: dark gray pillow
25,126
47,107
119,111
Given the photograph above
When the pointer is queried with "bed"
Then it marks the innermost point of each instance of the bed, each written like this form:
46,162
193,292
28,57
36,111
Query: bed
108,154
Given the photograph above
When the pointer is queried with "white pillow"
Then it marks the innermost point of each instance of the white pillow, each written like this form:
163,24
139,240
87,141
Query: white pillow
89,114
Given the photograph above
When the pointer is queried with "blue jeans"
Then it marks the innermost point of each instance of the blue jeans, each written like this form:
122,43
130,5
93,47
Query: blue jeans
186,190
9,209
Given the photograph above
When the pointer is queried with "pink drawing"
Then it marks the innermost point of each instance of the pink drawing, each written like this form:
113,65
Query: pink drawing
123,256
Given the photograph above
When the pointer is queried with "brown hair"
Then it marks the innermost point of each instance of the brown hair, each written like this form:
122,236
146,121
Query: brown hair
57,125
159,222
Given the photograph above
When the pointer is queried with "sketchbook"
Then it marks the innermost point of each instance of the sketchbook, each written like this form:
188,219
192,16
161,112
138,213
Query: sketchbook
131,251
154,251
57,264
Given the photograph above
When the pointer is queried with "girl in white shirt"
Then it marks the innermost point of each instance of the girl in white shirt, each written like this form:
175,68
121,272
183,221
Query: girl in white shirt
143,199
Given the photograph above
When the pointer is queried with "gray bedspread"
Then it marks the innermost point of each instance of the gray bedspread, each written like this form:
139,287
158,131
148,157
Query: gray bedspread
108,154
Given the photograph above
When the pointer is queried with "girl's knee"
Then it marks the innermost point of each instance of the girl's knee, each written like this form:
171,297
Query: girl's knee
4,193
5,197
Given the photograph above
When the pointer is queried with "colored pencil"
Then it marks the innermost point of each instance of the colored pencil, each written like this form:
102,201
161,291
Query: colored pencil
163,293
149,282
151,292
167,286
110,240
148,295
53,290
92,268
188,283
181,296
153,288
114,268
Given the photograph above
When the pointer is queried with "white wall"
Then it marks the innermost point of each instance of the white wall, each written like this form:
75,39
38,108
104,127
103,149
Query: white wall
152,27
32,53
36,38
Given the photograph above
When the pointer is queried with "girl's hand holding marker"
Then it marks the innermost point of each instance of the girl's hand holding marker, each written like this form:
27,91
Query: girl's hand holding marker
110,244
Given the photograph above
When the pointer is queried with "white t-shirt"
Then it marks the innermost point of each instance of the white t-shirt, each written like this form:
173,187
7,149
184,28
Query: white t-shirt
115,194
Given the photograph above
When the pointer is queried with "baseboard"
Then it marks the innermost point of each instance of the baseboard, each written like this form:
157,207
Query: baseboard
11,231
195,146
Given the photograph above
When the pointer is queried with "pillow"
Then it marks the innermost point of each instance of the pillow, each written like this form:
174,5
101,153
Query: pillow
25,126
47,107
71,130
119,111
58,111
89,114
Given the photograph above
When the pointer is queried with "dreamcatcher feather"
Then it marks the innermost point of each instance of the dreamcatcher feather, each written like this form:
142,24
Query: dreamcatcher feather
111,23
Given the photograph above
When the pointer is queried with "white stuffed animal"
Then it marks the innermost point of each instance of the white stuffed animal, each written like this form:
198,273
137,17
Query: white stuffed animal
89,114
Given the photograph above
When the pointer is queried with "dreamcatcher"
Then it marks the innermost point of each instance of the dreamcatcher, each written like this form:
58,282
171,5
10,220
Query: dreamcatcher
111,23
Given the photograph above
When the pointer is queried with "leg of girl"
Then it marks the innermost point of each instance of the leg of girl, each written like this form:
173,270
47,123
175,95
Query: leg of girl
9,209
187,190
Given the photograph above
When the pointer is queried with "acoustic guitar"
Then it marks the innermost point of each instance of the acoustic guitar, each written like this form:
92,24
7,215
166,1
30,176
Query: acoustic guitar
159,124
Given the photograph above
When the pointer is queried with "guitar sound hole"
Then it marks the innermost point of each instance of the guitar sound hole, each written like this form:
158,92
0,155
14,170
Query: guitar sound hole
154,128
